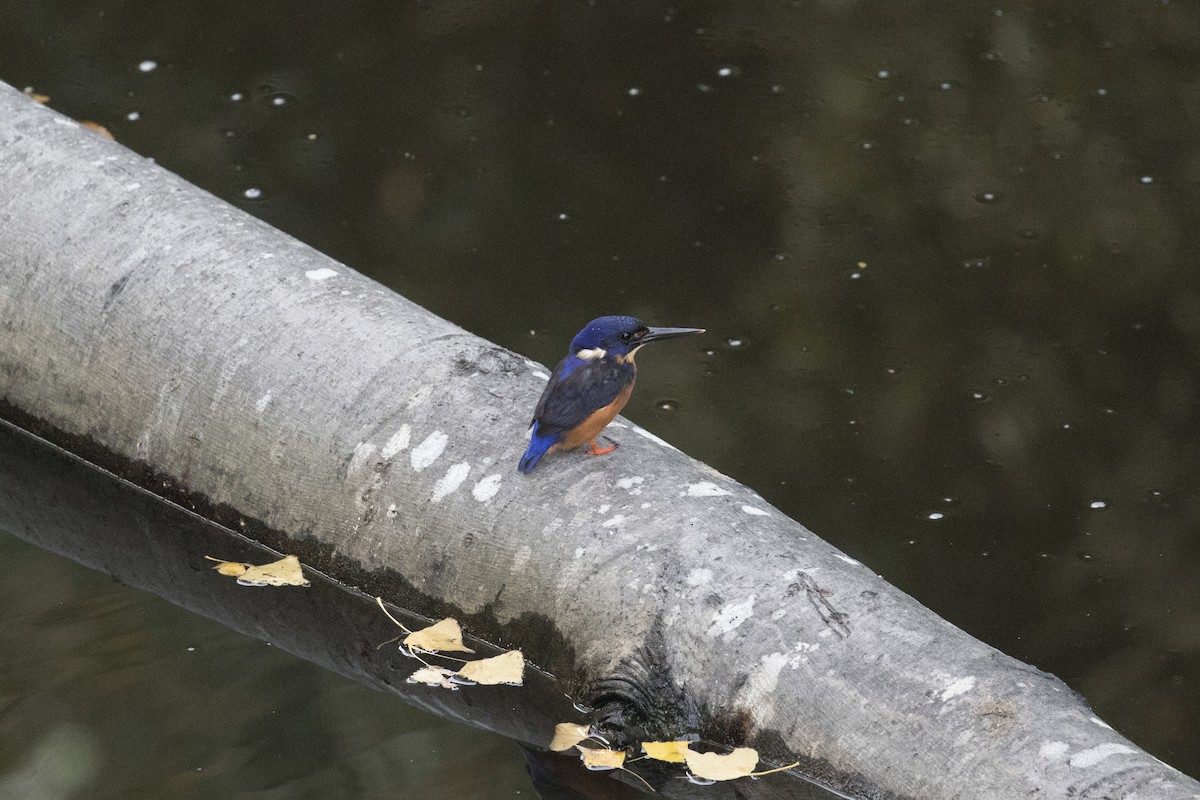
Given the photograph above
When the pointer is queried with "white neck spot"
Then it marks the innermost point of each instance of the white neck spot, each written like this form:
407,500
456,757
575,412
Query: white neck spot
592,355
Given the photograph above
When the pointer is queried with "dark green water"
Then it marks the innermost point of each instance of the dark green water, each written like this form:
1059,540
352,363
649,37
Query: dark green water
998,412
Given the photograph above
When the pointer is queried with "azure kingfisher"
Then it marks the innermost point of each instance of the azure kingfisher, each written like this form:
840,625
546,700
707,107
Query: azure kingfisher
590,386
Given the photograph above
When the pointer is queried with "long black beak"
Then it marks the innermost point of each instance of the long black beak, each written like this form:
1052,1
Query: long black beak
655,334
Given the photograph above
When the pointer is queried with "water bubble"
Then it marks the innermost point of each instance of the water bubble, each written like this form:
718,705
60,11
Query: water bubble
563,216
776,88
999,381
729,71
950,500
229,133
237,97
945,86
890,370
1041,98
710,353
133,116
978,395
634,91
252,193
1101,92
934,516
1146,179
990,56
1066,426
986,197
1082,556
735,343
667,405
854,275
704,87
312,137
977,263
148,66
279,99
867,145
1098,505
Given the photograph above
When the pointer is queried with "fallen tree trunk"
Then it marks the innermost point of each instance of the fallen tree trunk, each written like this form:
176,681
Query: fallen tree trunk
165,336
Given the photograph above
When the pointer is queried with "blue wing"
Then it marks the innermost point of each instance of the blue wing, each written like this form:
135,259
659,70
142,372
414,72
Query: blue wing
576,389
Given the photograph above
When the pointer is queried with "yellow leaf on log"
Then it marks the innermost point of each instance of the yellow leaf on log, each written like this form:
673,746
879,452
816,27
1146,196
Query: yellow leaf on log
567,735
234,569
599,758
433,676
440,637
675,752
284,572
97,127
717,767
505,668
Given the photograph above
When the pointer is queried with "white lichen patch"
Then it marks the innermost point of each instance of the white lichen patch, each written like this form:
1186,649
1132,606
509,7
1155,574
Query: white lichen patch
487,488
614,521
362,453
261,404
537,373
521,558
579,551
629,483
428,451
449,483
391,512
604,509
755,512
960,686
779,613
419,397
1100,722
397,442
699,576
1094,755
848,559
763,680
322,274
730,616
704,489
1053,750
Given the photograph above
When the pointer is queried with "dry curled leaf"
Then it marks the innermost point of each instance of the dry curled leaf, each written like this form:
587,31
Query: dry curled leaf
284,572
601,758
433,676
567,735
505,668
717,767
96,127
36,97
675,752
440,637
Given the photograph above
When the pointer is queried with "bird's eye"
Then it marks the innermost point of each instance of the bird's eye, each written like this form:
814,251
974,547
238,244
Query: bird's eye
626,336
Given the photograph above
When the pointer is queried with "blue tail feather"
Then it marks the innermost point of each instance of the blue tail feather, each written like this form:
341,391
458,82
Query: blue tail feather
538,445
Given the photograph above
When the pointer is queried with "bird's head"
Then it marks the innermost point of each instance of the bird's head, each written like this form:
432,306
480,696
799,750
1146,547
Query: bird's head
619,338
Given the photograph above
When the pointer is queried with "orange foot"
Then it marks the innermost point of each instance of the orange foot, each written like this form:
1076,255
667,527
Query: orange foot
599,451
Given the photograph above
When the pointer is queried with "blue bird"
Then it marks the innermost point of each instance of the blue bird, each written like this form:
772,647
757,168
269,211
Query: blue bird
590,386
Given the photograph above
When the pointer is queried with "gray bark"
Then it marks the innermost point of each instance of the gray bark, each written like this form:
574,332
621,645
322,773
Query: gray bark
229,367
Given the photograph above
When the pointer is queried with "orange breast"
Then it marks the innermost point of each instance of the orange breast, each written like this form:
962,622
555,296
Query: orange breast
590,428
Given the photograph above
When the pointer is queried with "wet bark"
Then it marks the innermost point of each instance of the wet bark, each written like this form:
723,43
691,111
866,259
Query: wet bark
161,334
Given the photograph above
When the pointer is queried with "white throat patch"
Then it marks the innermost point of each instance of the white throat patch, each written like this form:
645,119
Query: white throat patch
592,355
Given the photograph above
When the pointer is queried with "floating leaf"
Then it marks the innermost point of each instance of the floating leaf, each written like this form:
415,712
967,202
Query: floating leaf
597,758
717,767
567,735
675,752
433,676
284,572
444,636
505,668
